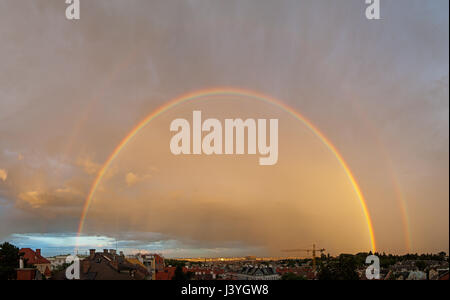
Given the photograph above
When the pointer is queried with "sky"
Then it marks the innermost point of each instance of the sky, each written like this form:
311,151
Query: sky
70,91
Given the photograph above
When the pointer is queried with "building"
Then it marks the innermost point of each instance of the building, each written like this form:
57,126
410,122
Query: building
26,273
35,260
444,276
108,265
206,273
258,273
166,274
154,263
57,261
417,275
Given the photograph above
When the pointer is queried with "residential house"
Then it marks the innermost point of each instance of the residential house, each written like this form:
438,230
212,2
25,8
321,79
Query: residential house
108,265
36,260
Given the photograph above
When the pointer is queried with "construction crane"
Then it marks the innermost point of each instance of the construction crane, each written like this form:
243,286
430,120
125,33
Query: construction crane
313,251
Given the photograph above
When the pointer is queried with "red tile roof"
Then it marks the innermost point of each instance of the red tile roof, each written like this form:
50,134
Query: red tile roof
32,257
167,274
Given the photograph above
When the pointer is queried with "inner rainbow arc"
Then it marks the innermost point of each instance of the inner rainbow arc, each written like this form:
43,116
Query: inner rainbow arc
225,92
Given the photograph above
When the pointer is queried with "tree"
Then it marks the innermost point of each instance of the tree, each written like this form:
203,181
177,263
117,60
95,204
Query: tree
61,268
9,261
342,269
180,275
421,265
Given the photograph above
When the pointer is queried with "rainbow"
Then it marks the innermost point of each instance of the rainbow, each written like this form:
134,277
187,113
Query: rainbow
227,92
402,204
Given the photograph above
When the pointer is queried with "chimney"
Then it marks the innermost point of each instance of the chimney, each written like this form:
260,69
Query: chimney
112,251
115,265
38,252
121,253
91,253
85,266
21,266
105,251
